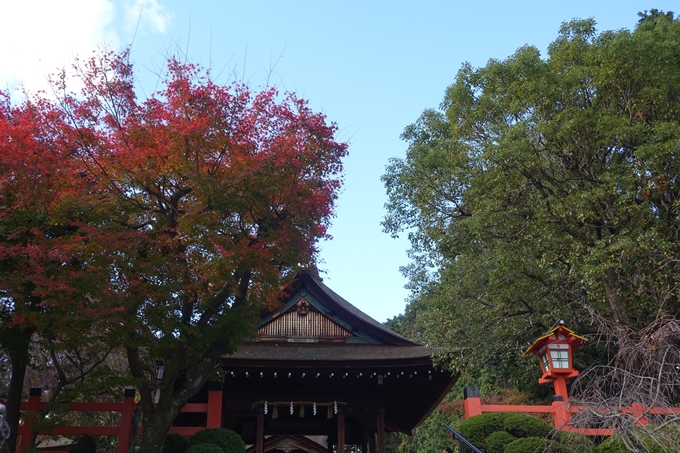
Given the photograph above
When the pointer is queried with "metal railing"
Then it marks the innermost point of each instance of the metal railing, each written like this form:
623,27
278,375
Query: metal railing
465,445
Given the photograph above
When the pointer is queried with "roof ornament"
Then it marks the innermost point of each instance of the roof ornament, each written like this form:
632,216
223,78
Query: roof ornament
302,307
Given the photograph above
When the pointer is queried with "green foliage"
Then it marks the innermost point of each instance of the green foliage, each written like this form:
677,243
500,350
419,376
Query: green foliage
575,443
496,442
478,428
83,444
613,444
205,448
523,425
531,445
428,437
226,439
544,188
175,443
639,441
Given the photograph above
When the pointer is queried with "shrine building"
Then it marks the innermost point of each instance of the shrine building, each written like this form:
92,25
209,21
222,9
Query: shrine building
322,373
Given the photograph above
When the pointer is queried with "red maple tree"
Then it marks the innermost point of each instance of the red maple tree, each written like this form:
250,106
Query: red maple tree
194,207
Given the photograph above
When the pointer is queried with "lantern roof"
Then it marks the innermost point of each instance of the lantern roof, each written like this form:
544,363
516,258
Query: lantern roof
553,336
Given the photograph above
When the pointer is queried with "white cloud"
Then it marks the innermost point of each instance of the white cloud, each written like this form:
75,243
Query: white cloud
39,36
147,12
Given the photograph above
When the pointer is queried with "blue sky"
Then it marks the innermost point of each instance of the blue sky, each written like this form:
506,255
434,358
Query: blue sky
370,66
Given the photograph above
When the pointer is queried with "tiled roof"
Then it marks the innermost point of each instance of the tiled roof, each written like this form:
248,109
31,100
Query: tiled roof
322,352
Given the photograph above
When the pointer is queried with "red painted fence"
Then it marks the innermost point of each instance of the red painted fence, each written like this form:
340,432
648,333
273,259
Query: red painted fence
213,410
561,412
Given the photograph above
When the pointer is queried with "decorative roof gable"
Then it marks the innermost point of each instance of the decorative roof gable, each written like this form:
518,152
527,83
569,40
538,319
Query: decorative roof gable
313,313
303,322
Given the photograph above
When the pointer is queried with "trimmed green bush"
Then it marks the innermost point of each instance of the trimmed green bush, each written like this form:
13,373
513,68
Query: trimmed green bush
575,443
205,448
523,425
476,429
83,444
175,443
531,445
496,442
612,445
226,439
616,445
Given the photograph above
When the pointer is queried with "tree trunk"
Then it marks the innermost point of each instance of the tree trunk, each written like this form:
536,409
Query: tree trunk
132,445
157,421
19,340
155,429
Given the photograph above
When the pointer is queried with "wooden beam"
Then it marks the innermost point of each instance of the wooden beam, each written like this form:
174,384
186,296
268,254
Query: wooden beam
341,431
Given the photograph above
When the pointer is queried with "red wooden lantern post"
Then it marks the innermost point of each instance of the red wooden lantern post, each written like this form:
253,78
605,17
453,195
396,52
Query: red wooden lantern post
555,351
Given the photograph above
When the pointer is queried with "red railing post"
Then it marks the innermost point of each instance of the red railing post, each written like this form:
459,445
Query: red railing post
472,401
30,415
126,421
215,405
560,413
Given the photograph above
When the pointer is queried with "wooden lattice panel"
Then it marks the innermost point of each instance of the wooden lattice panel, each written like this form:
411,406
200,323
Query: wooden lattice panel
311,325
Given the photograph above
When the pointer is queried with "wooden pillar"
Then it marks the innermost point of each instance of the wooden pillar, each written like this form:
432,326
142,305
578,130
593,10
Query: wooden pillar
472,402
341,431
371,441
259,434
125,428
381,431
215,405
31,414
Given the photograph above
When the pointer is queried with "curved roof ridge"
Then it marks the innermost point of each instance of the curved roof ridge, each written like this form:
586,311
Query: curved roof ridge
346,306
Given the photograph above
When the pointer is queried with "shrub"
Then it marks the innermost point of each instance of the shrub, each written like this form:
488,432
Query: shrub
496,442
83,444
575,443
226,439
531,445
615,444
612,444
476,429
523,425
205,448
175,443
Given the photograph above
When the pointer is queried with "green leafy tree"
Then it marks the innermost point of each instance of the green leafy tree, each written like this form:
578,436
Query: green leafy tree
545,188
